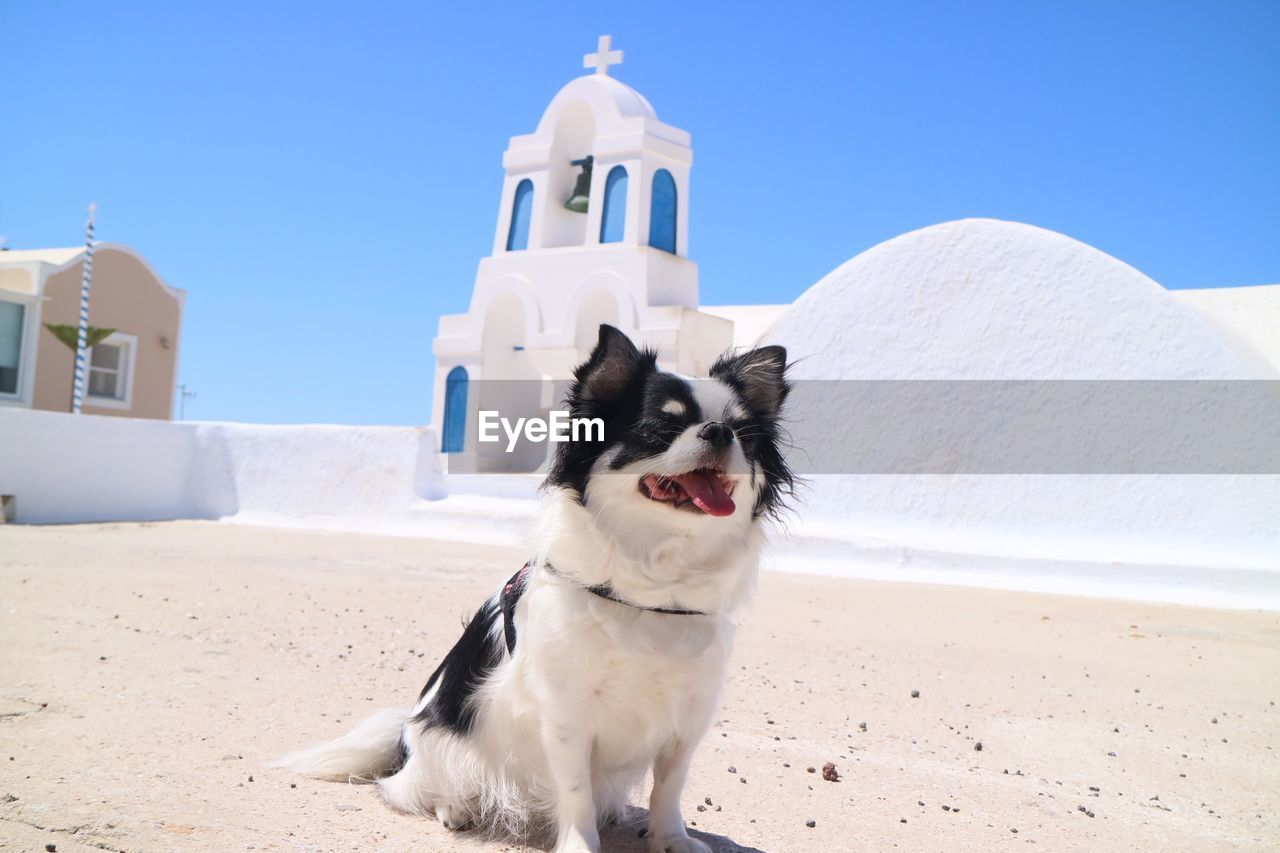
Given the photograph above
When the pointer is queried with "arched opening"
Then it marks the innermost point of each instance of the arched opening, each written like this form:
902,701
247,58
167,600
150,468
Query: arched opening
613,216
521,216
574,138
598,307
454,437
662,212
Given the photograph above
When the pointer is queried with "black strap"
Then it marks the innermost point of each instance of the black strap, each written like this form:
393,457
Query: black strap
606,592
520,580
510,596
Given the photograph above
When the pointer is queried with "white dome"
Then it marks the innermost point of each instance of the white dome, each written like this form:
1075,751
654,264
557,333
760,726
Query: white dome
610,101
987,299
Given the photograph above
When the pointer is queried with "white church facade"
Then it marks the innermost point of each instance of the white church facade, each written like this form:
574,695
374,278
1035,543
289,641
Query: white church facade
593,227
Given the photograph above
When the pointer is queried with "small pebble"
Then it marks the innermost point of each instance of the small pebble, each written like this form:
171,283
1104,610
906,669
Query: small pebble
811,823
977,747
829,772
733,769
915,694
51,847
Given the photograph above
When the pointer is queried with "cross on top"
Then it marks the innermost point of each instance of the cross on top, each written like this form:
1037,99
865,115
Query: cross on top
603,57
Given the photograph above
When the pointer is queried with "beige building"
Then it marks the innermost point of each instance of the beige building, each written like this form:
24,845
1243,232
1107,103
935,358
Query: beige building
132,373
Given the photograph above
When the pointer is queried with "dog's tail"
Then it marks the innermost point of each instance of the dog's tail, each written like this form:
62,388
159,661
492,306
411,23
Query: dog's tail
370,751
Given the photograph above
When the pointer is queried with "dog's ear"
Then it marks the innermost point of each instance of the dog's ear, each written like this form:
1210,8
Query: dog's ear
759,377
612,366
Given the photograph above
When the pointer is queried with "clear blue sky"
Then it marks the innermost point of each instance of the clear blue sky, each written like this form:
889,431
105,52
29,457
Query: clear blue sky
322,179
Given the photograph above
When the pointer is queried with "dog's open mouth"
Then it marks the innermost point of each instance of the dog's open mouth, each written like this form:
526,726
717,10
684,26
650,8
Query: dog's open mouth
704,490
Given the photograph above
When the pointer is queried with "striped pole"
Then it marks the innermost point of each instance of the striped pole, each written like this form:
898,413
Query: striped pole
77,391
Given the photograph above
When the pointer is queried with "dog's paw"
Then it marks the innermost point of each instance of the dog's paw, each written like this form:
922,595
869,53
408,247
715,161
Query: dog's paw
452,818
678,844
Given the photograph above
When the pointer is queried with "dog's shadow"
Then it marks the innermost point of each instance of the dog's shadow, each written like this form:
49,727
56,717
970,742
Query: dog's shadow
627,836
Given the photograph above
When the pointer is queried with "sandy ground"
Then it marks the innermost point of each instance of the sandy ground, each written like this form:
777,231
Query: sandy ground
149,672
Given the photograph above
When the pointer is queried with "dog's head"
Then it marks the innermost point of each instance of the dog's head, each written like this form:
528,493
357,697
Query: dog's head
677,451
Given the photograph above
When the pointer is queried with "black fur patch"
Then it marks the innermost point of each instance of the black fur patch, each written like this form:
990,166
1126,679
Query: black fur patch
758,377
609,385
462,672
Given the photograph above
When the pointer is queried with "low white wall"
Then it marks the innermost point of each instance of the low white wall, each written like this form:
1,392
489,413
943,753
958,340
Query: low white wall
67,468
62,468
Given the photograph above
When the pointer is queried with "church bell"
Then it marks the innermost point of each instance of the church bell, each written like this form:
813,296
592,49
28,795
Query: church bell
582,187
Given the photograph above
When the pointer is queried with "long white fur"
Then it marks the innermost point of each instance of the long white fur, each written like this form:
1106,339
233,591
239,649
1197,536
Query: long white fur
597,692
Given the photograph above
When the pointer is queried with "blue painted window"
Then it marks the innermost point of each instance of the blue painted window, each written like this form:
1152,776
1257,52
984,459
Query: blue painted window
455,411
662,212
613,219
12,316
521,214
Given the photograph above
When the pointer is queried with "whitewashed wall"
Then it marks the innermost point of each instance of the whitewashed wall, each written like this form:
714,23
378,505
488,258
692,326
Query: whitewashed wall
63,469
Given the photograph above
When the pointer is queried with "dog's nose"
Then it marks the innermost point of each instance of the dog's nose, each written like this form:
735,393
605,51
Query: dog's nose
718,434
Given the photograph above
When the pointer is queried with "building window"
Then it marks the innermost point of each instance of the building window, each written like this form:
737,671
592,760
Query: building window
111,370
12,318
662,212
613,219
521,215
455,411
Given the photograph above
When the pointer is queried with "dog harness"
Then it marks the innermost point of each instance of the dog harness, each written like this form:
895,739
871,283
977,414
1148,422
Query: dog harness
520,580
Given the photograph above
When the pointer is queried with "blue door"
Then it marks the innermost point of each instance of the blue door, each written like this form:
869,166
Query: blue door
455,411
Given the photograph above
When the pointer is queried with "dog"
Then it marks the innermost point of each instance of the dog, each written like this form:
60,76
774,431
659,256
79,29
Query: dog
604,657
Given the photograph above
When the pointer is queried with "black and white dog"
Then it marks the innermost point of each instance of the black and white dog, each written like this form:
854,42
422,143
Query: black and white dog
605,655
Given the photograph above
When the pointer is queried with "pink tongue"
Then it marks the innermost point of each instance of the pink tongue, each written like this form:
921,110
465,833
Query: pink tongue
706,493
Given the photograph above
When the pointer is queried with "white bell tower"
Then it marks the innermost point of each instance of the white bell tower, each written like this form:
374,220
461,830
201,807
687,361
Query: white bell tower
619,256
